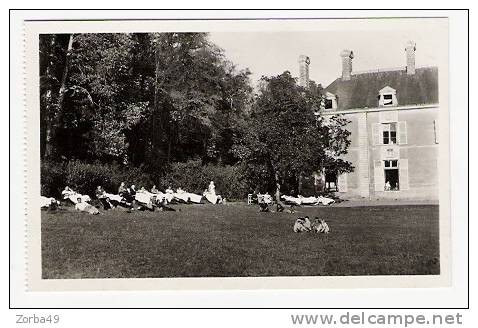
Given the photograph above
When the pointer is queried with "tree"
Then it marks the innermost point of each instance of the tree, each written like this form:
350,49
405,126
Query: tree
141,99
287,137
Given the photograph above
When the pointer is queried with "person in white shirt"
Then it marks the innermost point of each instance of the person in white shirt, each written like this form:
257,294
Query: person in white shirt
85,207
210,194
299,225
73,196
320,226
302,225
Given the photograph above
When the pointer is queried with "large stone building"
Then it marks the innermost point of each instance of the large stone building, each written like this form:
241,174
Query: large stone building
393,116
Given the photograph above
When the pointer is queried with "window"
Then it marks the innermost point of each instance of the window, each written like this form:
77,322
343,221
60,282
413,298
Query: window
391,175
389,131
387,97
331,180
388,100
328,103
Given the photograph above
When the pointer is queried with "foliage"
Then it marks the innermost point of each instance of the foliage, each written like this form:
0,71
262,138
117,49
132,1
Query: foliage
191,176
126,98
52,178
167,106
85,177
195,177
287,137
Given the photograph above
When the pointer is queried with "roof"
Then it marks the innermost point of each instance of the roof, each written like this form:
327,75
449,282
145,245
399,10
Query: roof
362,89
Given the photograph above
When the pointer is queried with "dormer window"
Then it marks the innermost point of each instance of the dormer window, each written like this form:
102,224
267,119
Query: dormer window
387,97
387,100
330,101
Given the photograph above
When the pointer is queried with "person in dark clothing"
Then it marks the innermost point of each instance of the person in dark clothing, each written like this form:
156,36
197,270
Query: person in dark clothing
263,207
163,206
101,196
279,207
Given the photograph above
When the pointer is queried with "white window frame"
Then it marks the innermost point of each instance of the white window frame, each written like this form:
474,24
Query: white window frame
393,165
387,128
332,98
387,92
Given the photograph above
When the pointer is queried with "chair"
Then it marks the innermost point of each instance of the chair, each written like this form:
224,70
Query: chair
249,199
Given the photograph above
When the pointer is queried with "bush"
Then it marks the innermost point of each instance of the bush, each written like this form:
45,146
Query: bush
52,178
85,177
195,177
191,176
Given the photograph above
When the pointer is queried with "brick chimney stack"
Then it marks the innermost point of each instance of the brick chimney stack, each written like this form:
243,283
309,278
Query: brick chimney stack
410,52
304,62
347,56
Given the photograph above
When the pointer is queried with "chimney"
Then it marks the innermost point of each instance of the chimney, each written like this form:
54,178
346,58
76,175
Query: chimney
410,52
347,56
304,62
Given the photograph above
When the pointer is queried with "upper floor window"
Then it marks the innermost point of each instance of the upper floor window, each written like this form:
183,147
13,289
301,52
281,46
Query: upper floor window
330,101
387,97
389,131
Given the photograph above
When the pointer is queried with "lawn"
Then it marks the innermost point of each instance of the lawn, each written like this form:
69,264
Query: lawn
237,240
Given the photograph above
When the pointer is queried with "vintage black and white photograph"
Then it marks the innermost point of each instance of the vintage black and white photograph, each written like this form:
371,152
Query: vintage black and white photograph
266,153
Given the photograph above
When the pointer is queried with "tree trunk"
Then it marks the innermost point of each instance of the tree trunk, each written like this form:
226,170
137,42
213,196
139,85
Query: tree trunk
57,116
299,184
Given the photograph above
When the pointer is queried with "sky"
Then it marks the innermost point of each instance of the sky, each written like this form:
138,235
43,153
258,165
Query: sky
271,53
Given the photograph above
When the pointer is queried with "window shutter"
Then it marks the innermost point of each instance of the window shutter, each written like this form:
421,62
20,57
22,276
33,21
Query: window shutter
403,174
437,131
379,175
402,133
342,182
377,134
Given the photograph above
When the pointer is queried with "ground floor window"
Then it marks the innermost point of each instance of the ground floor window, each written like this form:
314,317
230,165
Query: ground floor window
391,175
331,180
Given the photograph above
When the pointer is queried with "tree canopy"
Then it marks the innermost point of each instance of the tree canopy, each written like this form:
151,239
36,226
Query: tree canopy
152,99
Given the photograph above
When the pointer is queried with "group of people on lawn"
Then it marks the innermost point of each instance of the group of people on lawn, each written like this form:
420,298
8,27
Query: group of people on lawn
265,201
304,225
132,199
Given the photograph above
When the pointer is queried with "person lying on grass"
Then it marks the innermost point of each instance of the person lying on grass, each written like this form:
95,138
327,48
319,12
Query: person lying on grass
320,226
85,207
49,203
73,196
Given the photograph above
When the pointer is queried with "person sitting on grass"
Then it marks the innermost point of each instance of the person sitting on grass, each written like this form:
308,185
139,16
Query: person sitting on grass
320,226
122,190
100,193
85,207
163,206
264,207
299,225
279,207
267,198
291,209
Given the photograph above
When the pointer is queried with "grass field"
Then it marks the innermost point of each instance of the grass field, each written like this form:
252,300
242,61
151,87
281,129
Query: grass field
237,240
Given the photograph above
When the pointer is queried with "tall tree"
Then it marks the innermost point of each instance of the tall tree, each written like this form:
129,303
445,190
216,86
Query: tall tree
287,137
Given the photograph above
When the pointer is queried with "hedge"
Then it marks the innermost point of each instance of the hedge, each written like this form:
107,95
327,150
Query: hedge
191,176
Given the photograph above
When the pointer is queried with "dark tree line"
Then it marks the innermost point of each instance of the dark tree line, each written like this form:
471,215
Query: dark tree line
149,100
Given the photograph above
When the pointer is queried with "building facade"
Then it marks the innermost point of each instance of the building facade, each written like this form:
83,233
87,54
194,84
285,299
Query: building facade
393,116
